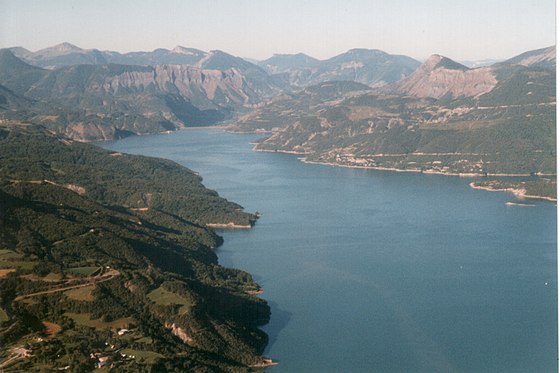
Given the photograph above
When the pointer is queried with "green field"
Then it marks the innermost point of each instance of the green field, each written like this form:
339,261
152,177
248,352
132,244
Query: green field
145,340
164,297
7,254
18,264
83,271
3,316
11,259
53,277
81,294
85,320
148,356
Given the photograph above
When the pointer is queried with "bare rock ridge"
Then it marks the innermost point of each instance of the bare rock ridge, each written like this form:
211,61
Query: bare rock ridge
368,66
60,49
188,81
90,94
438,61
440,76
87,101
545,57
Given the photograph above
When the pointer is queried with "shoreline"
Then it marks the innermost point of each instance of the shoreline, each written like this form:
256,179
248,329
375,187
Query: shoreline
230,225
277,151
266,362
245,132
417,170
519,193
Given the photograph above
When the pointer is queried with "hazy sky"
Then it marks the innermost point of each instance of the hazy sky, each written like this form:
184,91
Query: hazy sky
460,29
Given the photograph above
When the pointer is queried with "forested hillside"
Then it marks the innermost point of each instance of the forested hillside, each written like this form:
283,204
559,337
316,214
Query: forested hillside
105,260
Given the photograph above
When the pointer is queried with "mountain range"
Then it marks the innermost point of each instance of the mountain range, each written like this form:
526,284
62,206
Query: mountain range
89,102
372,67
359,103
66,54
89,94
443,118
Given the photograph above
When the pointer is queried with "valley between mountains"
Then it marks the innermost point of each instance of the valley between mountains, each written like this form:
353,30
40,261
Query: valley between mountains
107,258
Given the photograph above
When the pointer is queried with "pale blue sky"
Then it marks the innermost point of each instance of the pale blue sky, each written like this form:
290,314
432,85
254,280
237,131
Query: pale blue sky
460,29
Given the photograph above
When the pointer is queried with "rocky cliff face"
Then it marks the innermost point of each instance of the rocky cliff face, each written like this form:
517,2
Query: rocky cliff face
444,118
439,77
89,102
219,87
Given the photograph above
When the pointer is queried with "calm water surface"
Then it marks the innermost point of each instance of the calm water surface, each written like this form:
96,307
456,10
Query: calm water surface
372,271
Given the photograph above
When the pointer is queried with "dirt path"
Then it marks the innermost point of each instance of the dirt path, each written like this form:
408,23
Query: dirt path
17,353
90,281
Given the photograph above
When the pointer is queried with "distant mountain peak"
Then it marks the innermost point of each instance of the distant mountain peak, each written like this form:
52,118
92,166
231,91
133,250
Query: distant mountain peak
9,60
366,50
65,48
288,63
186,51
438,61
440,76
19,51
59,50
544,57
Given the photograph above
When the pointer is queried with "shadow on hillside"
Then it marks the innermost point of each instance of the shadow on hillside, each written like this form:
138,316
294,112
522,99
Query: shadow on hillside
278,321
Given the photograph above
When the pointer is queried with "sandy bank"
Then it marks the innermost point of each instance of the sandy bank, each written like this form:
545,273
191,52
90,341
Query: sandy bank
230,225
519,193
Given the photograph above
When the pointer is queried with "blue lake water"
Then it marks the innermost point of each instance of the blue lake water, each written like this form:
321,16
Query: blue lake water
376,271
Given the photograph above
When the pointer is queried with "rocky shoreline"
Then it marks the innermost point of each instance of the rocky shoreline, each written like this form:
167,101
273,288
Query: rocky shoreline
519,193
230,225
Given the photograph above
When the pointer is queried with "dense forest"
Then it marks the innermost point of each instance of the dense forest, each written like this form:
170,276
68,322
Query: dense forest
100,267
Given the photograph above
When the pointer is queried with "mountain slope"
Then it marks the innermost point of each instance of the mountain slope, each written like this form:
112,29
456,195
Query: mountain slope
16,74
280,63
290,107
444,118
92,245
63,54
91,102
177,56
66,54
439,77
545,58
9,101
370,67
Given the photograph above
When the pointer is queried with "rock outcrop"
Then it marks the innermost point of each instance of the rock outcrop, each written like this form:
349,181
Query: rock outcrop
439,76
179,333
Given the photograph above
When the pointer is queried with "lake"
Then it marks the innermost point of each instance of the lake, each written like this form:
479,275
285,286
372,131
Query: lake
378,271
